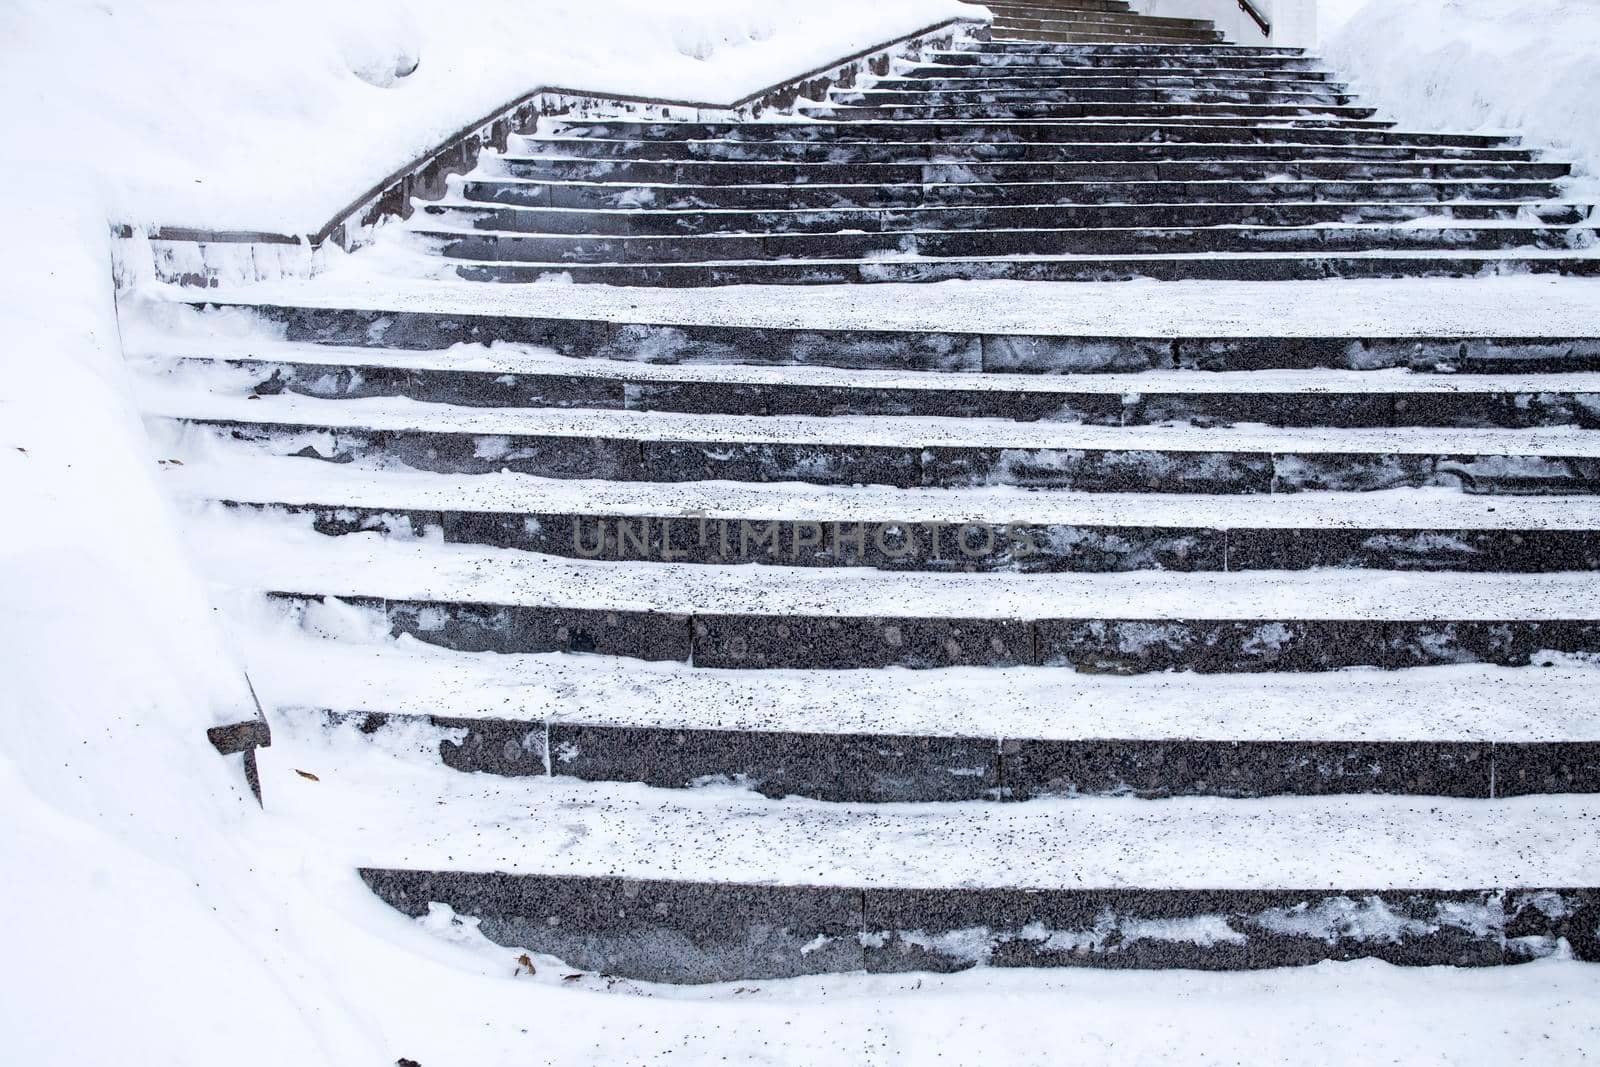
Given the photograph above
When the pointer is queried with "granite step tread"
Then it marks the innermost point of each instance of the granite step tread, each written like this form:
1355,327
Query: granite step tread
173,400
283,554
1172,266
1464,312
292,668
1240,166
160,356
588,195
1356,117
480,243
239,475
461,213
437,820
936,130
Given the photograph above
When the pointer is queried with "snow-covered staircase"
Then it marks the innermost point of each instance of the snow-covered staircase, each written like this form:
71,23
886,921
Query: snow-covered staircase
1016,159
743,633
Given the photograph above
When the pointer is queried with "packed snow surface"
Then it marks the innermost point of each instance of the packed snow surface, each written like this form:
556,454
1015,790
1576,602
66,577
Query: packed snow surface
1525,66
156,916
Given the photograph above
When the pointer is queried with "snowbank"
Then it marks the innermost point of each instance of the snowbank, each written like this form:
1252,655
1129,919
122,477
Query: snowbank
1519,65
209,114
151,916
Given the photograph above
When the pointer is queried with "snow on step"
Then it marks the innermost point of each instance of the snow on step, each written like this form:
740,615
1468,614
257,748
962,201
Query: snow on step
226,474
160,398
270,553
377,809
292,669
503,358
1515,307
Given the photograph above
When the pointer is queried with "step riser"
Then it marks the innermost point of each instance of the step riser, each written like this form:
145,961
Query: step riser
695,172
986,51
954,98
942,80
1109,21
1009,152
1109,6
936,76
1044,54
1238,113
1104,25
615,197
687,224
961,133
875,768
512,248
682,932
1102,646
1518,410
1310,267
887,350
1088,36
1100,471
1019,547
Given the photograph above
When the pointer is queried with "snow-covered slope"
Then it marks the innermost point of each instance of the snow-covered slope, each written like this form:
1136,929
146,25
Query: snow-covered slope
196,113
1524,65
140,928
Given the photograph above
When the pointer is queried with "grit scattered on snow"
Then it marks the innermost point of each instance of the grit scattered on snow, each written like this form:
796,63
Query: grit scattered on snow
153,915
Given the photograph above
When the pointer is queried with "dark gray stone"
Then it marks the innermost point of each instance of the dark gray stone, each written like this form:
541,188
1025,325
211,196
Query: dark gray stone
1130,646
856,768
1539,921
1154,769
1546,767
679,932
943,930
841,643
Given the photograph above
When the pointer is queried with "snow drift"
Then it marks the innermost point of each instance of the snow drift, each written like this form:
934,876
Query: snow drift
1525,66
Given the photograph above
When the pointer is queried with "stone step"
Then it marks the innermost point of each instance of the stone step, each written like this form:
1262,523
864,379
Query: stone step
727,173
1051,6
514,247
1174,266
467,214
609,195
1026,110
658,446
1110,30
1017,55
1107,22
880,97
475,599
937,76
987,130
909,152
1500,706
1066,5
955,530
652,884
1016,13
875,768
726,931
1046,331
535,379
1021,32
988,51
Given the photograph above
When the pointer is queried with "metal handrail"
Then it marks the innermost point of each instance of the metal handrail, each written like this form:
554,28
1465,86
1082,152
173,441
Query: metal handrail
1256,16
